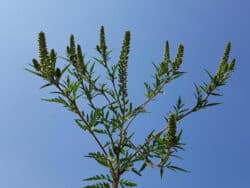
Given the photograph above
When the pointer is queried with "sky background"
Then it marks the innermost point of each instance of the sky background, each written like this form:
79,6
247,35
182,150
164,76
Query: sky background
41,147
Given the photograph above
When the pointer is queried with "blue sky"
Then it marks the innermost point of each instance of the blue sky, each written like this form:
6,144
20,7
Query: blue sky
39,144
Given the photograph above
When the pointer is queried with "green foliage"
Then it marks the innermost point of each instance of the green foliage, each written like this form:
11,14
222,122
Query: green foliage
77,80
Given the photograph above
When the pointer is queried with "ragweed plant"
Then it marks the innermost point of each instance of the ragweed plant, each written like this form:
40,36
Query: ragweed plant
76,81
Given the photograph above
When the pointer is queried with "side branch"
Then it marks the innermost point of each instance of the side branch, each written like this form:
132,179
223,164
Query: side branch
82,118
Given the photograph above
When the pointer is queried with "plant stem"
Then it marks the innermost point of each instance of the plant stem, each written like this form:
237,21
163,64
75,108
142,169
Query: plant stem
142,105
194,109
116,180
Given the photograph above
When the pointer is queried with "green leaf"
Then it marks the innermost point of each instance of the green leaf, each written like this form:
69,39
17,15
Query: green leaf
99,60
57,100
99,177
35,73
176,168
136,172
209,74
65,68
100,158
177,75
98,185
46,85
216,94
78,122
178,137
100,131
127,183
161,171
212,104
92,68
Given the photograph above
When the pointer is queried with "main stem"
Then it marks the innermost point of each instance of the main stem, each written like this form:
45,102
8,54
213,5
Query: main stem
116,180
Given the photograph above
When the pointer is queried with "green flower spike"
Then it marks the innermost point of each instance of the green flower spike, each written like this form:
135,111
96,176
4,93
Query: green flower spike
42,47
52,58
122,67
103,47
80,60
178,60
36,65
171,134
71,50
223,66
232,65
166,60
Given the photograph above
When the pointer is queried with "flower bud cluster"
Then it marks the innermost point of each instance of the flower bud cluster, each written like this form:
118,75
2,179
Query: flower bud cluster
170,137
46,66
75,56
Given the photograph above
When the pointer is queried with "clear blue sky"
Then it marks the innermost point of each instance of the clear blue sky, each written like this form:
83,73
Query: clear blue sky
40,147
